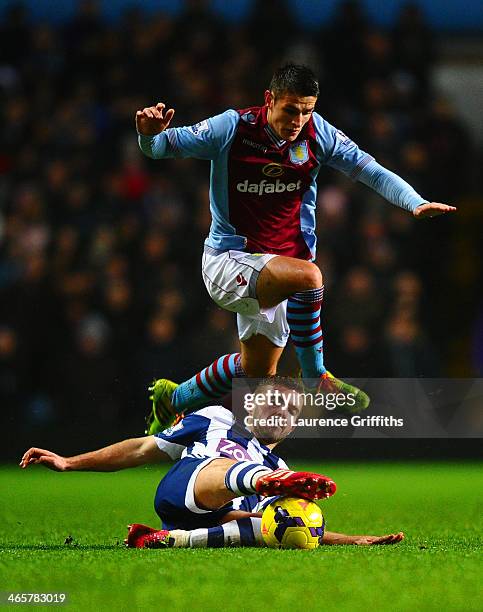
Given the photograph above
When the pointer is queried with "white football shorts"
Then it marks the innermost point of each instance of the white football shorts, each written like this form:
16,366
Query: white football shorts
231,280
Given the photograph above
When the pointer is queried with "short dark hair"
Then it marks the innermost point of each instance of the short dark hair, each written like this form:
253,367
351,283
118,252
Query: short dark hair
295,79
283,382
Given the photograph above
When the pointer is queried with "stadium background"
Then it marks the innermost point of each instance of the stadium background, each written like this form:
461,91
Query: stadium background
100,287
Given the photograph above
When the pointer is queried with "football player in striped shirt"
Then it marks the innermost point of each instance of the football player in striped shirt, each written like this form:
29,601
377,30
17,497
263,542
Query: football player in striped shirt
223,478
258,256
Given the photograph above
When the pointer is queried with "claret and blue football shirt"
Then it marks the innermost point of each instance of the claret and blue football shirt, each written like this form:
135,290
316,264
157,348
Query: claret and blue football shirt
263,190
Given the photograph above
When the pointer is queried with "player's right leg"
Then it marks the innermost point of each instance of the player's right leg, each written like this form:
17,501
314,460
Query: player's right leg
187,523
240,532
255,287
224,479
194,502
198,492
258,358
231,279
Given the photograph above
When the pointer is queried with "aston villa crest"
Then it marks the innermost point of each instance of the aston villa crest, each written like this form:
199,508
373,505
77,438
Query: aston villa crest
299,152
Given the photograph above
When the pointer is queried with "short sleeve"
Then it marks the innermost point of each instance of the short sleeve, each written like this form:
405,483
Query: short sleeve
173,450
190,429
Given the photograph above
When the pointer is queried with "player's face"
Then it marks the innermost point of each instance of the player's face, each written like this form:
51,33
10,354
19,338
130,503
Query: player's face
288,113
275,418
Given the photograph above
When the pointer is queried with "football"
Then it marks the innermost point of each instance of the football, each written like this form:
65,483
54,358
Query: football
292,522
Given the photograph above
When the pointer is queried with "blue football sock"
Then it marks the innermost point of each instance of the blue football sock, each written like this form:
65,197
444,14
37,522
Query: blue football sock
243,532
303,316
239,478
211,383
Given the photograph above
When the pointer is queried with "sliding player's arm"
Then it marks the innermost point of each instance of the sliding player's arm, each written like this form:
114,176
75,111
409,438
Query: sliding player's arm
331,538
340,152
165,446
126,454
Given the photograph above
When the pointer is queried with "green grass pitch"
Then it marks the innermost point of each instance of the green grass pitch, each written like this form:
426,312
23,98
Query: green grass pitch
437,505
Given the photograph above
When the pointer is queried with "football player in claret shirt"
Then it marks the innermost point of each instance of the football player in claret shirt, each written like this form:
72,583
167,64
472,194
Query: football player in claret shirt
257,258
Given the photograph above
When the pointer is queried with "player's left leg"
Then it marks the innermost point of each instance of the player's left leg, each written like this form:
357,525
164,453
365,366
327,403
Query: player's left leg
240,532
258,357
194,502
301,284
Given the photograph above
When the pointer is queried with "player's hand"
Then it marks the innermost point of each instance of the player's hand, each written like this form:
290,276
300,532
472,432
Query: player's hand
392,538
153,119
432,209
44,457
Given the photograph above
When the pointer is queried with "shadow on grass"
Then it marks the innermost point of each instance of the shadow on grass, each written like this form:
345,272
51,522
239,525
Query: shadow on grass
63,547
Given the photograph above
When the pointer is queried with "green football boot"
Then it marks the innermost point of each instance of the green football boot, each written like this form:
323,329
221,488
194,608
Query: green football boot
330,384
163,414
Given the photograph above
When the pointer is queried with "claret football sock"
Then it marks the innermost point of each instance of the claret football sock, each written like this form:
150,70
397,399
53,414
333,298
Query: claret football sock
213,382
303,316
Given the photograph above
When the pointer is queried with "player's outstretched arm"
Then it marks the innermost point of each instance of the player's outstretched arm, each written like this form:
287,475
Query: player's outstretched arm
397,191
432,209
153,120
333,538
126,454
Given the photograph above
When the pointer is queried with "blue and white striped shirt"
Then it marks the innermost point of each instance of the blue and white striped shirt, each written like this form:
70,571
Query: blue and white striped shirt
213,432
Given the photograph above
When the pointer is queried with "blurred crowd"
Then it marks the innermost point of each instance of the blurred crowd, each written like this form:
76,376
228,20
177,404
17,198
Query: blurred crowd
100,286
